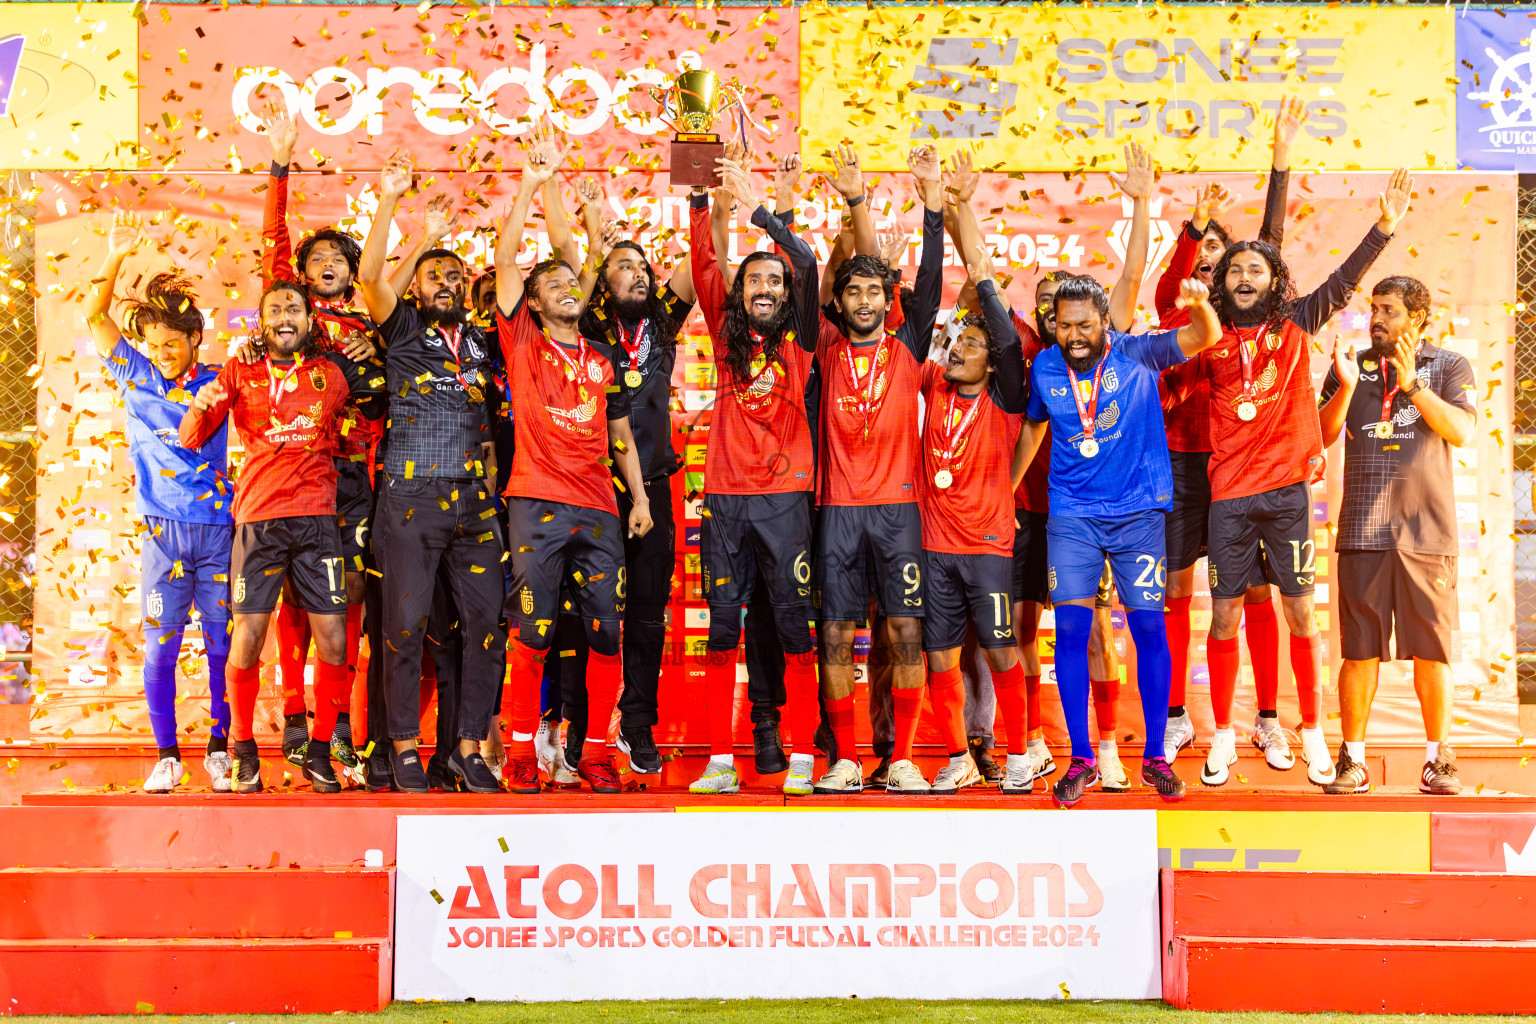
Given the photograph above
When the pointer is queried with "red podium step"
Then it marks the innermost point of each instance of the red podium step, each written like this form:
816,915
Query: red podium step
1306,942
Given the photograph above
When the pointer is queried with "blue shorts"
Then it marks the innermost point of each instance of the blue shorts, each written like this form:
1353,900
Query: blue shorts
1134,545
184,564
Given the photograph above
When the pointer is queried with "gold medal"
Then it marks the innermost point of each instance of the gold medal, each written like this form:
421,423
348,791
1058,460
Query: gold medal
1384,429
1089,448
291,383
179,395
474,393
632,379
942,479
1247,411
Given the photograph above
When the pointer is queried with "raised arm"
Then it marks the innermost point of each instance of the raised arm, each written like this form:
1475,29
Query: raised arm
848,179
209,408
436,225
1315,310
961,183
276,247
709,281
802,259
1210,202
1008,373
594,206
1136,185
1203,328
372,282
539,166
1288,121
126,235
916,331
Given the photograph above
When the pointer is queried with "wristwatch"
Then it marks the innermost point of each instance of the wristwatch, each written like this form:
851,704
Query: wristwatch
1418,386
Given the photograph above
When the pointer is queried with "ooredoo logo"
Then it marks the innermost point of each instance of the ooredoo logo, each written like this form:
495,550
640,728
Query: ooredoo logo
451,101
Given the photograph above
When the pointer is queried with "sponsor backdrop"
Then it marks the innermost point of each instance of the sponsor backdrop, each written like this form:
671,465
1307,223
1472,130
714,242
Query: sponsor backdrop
738,905
450,82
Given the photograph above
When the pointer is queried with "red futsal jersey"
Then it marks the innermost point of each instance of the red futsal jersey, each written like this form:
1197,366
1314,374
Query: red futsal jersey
562,400
1187,424
971,439
759,436
288,415
1032,493
335,319
869,422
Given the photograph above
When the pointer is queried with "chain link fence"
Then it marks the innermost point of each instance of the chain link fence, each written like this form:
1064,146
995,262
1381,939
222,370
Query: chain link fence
18,425
1525,438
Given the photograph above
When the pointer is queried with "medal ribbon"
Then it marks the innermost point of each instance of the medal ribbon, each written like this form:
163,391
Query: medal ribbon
631,345
275,383
952,441
865,395
180,383
1247,363
576,369
1386,399
1087,415
452,341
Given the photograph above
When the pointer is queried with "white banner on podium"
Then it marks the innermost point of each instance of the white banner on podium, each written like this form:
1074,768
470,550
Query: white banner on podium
778,904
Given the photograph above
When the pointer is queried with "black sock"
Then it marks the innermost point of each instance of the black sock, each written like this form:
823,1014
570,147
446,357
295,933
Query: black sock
1269,714
245,748
174,750
300,719
1176,712
218,744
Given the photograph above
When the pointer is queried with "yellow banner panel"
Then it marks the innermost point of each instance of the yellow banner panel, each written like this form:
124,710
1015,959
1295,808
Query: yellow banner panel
1294,840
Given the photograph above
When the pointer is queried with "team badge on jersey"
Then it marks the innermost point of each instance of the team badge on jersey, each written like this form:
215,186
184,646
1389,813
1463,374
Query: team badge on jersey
527,601
1111,382
155,605
239,588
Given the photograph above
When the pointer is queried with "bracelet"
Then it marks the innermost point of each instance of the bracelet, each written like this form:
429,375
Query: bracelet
855,201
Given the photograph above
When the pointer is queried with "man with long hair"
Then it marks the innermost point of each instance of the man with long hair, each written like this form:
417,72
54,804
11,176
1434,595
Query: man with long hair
288,410
758,470
183,495
434,507
570,411
1267,450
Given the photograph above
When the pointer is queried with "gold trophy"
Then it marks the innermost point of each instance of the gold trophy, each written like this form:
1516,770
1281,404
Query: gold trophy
690,108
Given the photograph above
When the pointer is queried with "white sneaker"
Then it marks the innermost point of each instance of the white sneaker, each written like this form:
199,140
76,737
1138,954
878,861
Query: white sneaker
798,781
1043,762
562,775
1270,738
1019,777
1179,734
717,778
165,777
903,777
546,746
1314,751
218,765
1223,756
843,777
955,776
1111,772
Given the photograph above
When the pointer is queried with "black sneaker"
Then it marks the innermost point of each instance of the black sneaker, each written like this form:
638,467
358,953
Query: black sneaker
406,768
318,769
575,739
768,751
377,769
1158,773
245,777
441,776
343,753
1069,789
637,742
878,778
295,738
1349,775
472,771
1439,777
990,769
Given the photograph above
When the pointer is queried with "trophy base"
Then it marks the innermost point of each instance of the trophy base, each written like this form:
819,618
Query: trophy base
693,160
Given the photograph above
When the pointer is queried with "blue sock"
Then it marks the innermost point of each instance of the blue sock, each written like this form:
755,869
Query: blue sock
1154,674
550,698
1073,623
161,646
216,647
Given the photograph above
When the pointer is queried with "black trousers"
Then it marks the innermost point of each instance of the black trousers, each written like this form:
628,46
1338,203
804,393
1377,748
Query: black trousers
421,527
445,646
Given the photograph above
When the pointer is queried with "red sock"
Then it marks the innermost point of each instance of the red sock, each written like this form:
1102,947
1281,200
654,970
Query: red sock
241,686
292,639
840,712
908,709
354,638
946,692
720,702
1223,659
525,670
802,710
1176,618
1263,651
1106,707
604,673
1307,667
1032,703
1011,701
332,683
428,681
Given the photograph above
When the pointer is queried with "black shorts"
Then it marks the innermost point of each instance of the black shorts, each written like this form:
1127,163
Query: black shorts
1281,520
869,548
963,589
744,536
1030,564
552,544
354,511
1387,593
304,549
1188,517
